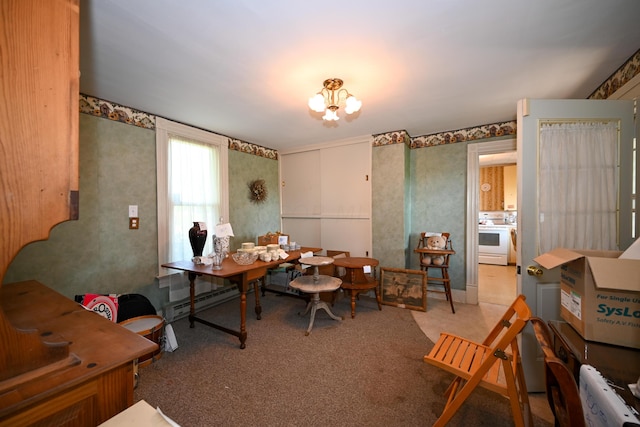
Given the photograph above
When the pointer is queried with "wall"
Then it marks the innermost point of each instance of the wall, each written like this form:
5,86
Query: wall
98,253
491,188
510,187
249,219
414,190
438,194
391,203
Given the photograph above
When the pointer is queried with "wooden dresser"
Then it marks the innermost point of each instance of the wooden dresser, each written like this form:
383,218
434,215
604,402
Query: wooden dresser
91,378
60,365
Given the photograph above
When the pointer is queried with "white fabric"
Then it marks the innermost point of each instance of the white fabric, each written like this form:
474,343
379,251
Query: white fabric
193,193
601,405
577,186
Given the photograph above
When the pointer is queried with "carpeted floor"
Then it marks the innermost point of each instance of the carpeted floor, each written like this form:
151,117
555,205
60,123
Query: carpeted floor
366,371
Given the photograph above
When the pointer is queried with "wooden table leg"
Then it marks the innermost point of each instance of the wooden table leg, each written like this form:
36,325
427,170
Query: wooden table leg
353,303
256,288
192,298
314,305
243,311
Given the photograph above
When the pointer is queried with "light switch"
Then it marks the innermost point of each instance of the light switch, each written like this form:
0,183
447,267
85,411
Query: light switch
133,211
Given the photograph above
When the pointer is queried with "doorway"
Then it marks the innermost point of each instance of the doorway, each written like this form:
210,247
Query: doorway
474,151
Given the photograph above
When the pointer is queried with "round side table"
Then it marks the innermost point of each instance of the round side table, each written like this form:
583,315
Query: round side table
356,281
314,285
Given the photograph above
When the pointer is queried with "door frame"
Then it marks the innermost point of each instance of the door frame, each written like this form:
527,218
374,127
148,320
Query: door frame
474,151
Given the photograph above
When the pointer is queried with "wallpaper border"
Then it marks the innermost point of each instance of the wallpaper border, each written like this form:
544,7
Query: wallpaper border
450,137
619,78
119,113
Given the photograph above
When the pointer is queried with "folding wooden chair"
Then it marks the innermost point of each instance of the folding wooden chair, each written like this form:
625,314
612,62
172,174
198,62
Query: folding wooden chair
494,364
563,394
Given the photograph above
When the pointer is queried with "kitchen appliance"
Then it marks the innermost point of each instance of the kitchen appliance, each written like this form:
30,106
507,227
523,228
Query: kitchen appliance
493,244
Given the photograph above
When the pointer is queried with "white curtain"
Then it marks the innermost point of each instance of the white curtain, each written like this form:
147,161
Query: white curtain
194,193
578,186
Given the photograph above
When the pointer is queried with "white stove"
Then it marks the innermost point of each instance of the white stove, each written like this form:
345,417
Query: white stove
493,244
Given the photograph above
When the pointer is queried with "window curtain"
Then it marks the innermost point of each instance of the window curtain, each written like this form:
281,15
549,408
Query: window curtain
194,193
578,186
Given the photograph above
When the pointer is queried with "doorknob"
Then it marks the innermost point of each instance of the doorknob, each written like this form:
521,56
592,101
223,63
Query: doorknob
534,271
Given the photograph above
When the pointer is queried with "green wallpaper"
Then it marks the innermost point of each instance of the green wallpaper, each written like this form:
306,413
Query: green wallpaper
250,220
414,191
390,204
438,195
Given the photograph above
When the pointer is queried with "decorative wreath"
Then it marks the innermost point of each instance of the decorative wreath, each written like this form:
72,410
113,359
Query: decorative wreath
257,191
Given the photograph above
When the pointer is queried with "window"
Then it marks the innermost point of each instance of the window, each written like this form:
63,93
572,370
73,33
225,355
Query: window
192,186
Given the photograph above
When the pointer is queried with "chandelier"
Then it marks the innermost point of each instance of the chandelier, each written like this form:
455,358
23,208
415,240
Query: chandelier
331,97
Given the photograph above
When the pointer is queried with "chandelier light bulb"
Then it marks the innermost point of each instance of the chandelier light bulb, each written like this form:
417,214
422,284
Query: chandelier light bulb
331,115
353,105
316,103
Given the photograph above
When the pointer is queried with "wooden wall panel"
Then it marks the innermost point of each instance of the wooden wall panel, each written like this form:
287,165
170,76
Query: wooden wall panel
493,199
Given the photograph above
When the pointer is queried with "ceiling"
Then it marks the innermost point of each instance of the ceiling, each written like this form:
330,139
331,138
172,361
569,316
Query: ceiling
246,68
498,159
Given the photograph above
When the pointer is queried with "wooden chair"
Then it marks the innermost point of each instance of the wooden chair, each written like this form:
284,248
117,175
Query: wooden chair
562,391
493,364
442,280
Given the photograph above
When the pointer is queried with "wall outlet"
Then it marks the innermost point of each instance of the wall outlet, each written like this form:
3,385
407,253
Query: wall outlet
134,223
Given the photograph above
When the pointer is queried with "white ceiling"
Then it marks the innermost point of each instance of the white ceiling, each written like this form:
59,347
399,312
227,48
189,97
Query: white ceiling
498,159
246,68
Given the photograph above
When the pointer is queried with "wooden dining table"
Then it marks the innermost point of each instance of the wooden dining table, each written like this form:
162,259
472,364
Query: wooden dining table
240,275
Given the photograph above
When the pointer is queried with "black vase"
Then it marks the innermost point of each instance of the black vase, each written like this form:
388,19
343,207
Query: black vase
197,238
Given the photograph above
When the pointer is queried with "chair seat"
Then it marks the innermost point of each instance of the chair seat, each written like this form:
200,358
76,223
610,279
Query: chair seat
463,357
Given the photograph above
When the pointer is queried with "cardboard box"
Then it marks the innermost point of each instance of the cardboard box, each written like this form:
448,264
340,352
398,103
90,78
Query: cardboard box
271,238
600,294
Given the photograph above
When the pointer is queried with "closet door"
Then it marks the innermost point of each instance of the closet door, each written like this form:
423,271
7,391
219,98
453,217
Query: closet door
300,184
300,196
326,196
346,183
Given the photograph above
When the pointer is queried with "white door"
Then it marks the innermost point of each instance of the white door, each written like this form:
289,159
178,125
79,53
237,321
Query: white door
543,291
326,195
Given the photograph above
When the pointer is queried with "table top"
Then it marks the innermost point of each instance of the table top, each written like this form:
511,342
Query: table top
317,260
231,268
355,262
309,284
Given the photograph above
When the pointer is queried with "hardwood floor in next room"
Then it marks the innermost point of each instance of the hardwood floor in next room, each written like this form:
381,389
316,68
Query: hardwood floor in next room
497,284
